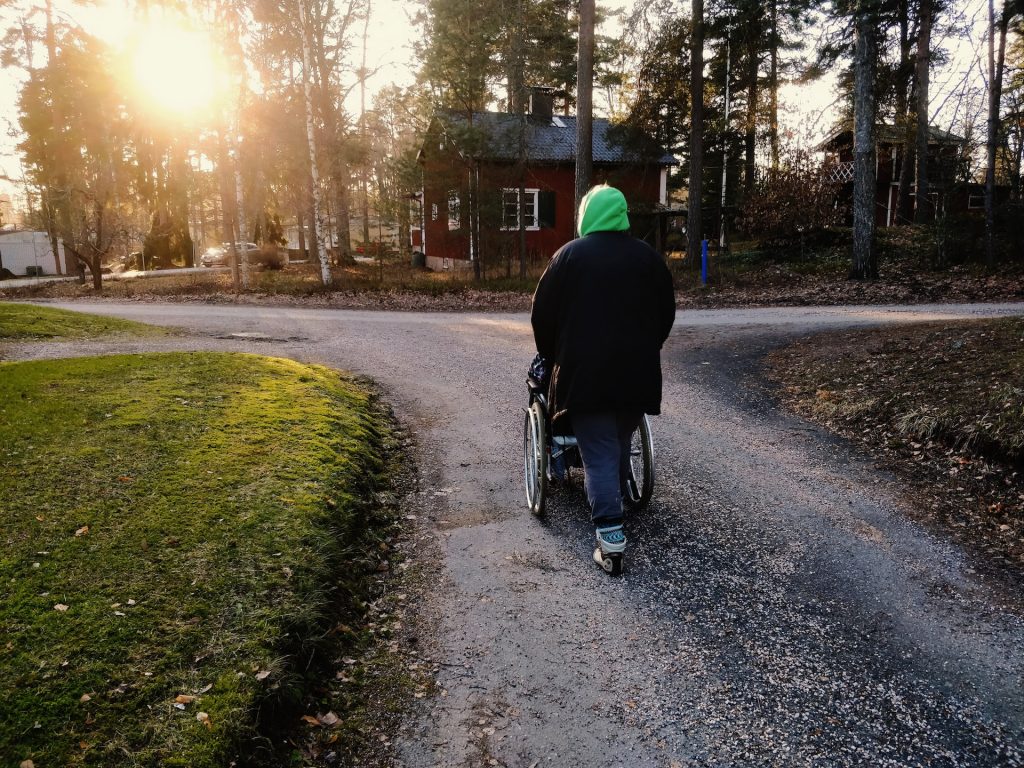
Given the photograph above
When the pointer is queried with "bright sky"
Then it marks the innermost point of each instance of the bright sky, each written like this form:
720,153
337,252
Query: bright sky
807,110
187,79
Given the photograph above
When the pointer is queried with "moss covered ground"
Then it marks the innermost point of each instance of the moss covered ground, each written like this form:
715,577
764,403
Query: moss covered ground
25,322
174,531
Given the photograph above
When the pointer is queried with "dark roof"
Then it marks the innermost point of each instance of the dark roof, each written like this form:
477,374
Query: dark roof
554,140
886,133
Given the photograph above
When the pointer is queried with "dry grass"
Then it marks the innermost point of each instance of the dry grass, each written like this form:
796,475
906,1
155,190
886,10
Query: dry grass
941,403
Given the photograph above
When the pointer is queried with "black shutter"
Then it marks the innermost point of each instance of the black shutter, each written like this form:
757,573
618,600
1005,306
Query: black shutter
546,204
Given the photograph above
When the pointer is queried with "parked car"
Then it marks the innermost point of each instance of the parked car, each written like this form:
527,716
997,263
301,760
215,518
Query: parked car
220,255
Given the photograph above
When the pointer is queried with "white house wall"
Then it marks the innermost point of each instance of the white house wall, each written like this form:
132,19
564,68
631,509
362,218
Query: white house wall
21,250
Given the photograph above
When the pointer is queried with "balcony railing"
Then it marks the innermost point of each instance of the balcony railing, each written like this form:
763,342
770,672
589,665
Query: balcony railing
840,173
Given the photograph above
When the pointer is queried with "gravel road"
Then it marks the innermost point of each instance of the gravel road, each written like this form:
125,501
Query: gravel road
778,608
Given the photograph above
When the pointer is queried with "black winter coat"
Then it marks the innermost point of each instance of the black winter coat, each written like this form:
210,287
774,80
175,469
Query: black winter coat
601,312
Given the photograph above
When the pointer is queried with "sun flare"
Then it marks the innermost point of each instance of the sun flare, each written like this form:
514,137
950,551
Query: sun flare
173,69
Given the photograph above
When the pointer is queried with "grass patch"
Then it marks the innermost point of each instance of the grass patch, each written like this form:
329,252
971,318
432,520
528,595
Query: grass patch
942,403
201,518
22,322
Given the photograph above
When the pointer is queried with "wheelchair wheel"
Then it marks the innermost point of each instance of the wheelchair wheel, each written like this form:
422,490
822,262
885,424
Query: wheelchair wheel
640,482
535,458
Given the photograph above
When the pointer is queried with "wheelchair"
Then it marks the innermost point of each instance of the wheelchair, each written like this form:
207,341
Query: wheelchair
543,450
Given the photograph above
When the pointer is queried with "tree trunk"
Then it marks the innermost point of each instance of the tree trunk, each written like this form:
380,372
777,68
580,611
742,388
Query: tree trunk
97,251
904,203
694,225
517,80
242,231
1018,157
343,206
584,103
60,193
319,225
50,218
725,145
995,92
474,220
521,239
865,263
773,86
300,220
924,210
404,233
905,95
227,205
363,175
750,129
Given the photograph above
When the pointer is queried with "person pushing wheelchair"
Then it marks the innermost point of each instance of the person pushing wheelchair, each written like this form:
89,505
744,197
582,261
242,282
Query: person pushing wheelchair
601,312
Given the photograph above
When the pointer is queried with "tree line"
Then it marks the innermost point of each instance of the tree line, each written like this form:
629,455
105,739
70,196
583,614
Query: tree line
281,141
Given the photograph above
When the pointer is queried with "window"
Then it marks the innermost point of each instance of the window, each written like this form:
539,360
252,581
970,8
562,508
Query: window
510,209
453,210
433,211
975,202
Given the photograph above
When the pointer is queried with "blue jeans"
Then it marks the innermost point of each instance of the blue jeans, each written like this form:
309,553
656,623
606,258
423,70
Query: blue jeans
603,439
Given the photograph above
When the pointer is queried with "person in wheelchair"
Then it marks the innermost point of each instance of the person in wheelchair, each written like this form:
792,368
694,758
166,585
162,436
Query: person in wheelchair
601,312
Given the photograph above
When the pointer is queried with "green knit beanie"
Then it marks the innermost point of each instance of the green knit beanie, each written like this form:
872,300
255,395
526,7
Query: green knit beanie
603,209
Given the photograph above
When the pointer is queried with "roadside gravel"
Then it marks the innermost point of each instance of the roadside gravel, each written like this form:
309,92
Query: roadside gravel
779,607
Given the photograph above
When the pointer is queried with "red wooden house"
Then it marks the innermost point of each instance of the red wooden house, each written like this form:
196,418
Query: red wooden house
945,155
492,177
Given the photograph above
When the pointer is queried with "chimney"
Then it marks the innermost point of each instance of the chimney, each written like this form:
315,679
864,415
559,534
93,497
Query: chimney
542,102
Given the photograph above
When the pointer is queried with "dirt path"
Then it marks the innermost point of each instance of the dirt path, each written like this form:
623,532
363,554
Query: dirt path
778,607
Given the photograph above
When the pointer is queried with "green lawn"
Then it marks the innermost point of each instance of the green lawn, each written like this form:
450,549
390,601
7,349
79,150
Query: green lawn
172,525
24,322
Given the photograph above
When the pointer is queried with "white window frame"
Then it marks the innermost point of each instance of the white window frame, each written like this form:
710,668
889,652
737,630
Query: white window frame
514,191
454,210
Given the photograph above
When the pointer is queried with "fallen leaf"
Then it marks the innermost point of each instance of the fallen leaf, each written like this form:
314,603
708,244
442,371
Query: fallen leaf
206,688
203,718
40,518
125,478
311,720
329,719
83,745
27,764
85,697
61,607
82,531
263,674
184,698
119,613
131,602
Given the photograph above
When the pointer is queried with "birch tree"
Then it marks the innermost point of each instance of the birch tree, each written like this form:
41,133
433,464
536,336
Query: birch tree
319,217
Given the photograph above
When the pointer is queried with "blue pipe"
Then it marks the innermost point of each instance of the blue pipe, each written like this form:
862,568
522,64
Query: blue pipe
704,263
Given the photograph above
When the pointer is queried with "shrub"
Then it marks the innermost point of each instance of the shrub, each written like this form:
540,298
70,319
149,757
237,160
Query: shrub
790,203
270,257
